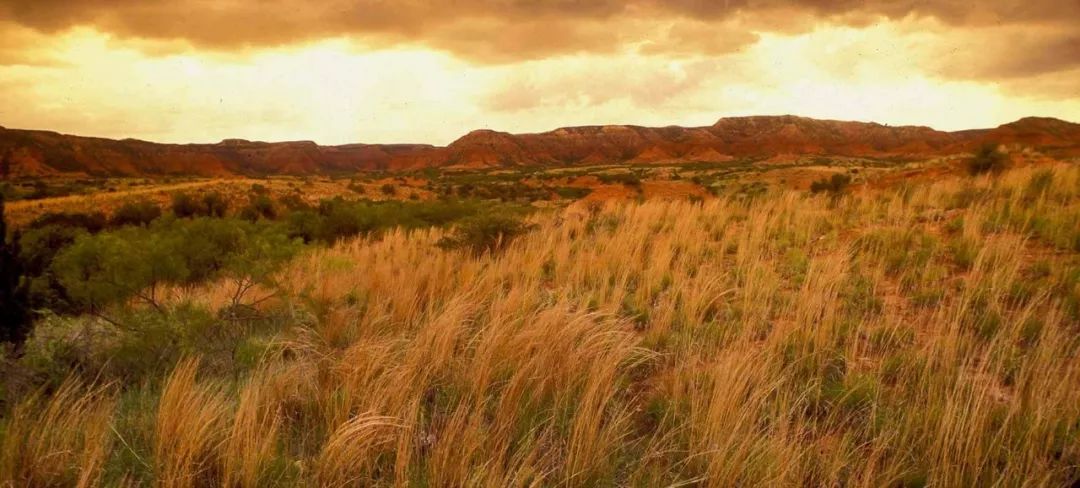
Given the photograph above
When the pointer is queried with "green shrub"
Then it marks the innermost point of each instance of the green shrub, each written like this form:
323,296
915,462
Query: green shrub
215,205
485,233
835,184
91,222
260,206
355,187
294,202
631,180
15,318
337,218
111,267
140,212
107,268
987,159
185,205
572,193
38,248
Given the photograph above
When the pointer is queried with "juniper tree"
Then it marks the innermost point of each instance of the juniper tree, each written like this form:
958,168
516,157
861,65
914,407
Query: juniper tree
14,312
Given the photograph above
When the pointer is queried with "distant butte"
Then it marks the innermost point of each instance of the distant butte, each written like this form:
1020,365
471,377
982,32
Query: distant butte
31,153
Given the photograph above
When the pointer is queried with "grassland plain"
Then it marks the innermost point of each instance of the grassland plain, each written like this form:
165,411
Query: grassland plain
924,334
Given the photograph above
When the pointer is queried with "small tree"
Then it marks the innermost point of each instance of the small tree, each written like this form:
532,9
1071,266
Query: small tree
15,315
388,190
987,159
184,205
103,269
260,207
836,184
215,204
140,212
485,233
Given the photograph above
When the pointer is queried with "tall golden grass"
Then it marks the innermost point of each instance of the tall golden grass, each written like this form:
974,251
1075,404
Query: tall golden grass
908,337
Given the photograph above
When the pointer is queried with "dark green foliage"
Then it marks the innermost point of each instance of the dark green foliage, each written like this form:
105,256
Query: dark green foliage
111,267
573,193
260,206
38,247
139,212
632,180
39,244
36,189
294,202
355,187
505,191
835,184
91,222
337,218
15,318
215,205
388,189
485,233
987,159
185,205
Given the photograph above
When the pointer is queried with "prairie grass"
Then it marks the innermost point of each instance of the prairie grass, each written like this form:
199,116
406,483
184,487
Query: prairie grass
917,336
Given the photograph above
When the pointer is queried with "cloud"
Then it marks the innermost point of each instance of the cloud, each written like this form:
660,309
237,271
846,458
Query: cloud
496,31
1010,53
425,70
585,83
994,40
328,92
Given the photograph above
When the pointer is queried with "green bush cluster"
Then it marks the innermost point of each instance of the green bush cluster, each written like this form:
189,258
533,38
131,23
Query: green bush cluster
36,189
572,193
211,204
337,218
835,184
14,306
987,159
260,206
485,233
137,212
71,263
505,191
97,270
632,180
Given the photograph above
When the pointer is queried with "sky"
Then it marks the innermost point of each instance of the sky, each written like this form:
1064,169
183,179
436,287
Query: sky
429,71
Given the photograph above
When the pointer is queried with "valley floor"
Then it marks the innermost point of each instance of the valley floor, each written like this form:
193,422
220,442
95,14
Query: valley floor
925,334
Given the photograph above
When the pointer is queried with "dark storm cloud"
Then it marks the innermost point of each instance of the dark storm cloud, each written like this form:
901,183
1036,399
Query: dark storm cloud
496,31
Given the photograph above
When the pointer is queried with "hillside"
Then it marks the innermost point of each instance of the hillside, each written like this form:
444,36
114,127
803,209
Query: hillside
28,153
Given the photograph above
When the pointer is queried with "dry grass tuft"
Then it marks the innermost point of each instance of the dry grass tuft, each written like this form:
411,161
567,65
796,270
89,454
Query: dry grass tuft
60,440
191,427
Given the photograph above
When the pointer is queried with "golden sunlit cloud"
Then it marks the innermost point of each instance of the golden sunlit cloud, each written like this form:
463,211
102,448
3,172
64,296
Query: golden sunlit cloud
424,72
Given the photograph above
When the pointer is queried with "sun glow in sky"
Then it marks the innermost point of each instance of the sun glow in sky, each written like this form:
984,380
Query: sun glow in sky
404,75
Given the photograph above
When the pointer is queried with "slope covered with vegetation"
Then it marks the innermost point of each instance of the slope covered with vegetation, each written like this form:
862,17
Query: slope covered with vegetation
918,335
